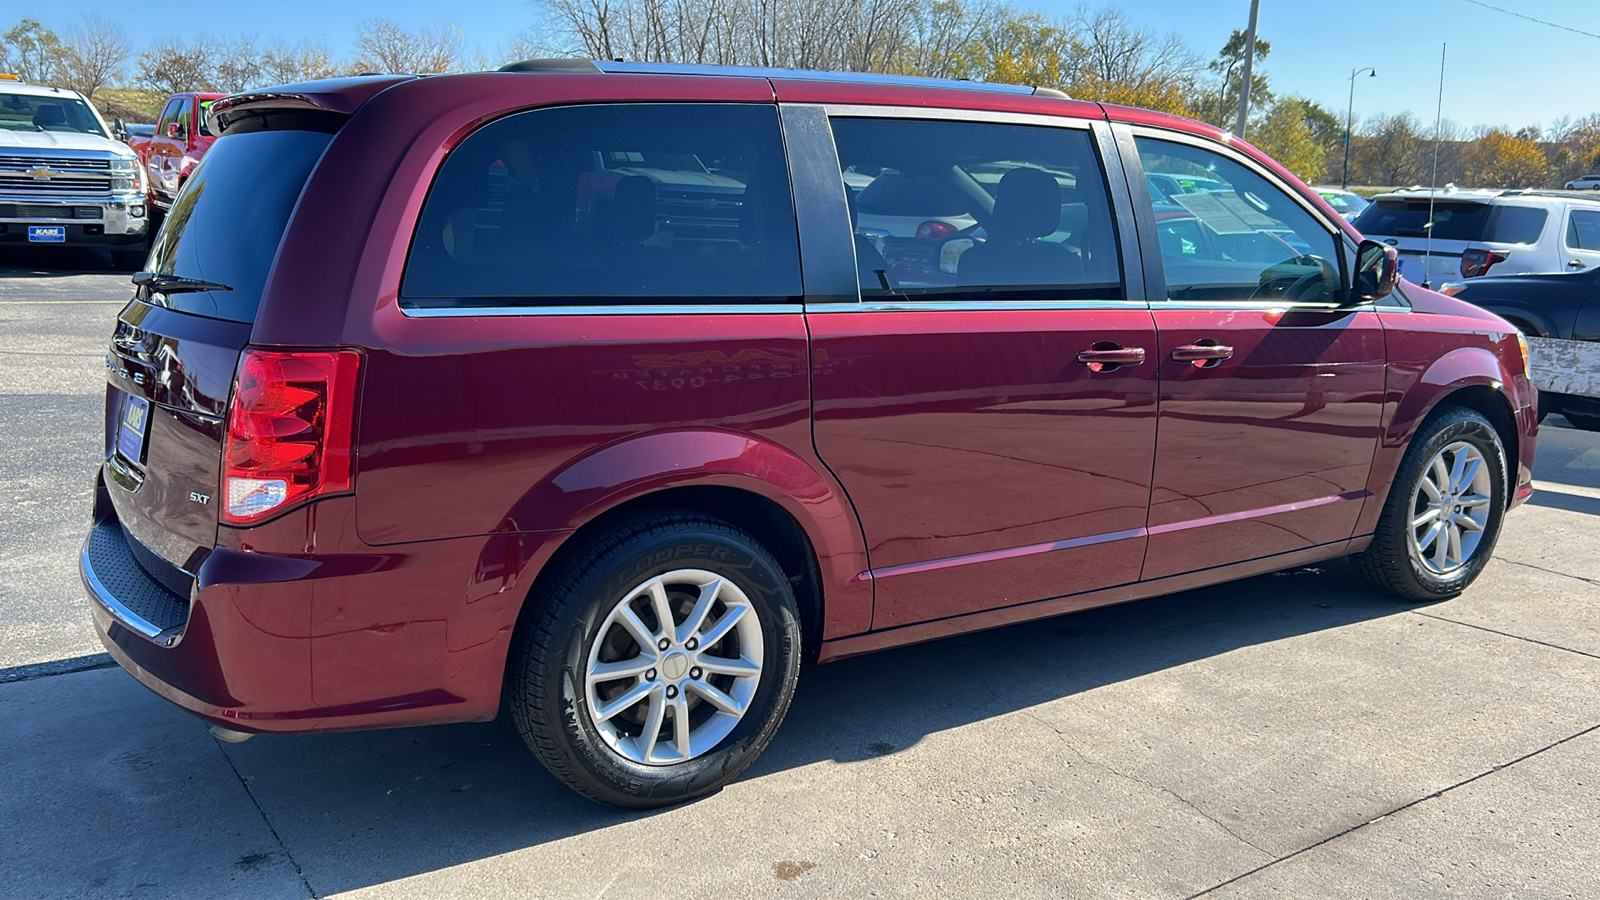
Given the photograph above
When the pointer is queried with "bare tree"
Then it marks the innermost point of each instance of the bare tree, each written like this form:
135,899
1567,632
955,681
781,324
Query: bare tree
383,46
1109,50
239,65
175,64
94,54
308,60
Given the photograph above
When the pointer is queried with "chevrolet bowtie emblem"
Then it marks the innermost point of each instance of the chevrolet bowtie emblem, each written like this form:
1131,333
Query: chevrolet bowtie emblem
41,174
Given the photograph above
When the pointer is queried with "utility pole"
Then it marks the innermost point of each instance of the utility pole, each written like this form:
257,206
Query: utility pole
1344,176
1249,61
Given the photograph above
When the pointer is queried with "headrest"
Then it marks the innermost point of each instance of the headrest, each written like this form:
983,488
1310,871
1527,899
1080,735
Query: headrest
46,116
629,214
1027,205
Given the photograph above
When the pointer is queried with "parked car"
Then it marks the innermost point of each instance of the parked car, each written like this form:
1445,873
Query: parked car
1474,232
1346,203
126,132
397,427
1564,305
63,180
179,141
1584,183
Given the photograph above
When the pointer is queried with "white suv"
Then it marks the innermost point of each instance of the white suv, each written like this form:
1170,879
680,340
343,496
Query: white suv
1584,183
1511,232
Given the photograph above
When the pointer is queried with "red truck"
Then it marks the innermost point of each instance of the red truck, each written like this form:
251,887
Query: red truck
181,139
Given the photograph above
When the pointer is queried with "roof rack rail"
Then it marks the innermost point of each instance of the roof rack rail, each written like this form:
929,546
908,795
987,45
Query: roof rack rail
643,68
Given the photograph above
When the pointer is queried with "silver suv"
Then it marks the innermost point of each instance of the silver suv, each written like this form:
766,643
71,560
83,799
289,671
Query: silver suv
1510,232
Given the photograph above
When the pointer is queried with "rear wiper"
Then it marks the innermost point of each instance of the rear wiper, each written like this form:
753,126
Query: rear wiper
175,284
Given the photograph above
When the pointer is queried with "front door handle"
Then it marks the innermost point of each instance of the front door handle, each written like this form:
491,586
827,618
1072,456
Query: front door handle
1575,263
1201,354
1100,358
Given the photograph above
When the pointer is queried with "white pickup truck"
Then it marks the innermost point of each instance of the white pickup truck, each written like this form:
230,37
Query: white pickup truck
63,180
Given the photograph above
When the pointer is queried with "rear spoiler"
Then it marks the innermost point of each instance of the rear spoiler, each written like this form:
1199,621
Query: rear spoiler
313,105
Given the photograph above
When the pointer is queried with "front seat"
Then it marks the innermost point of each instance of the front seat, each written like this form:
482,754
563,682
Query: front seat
49,116
1027,207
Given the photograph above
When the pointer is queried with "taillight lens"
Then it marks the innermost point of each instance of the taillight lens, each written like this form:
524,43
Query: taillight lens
291,430
1478,261
935,230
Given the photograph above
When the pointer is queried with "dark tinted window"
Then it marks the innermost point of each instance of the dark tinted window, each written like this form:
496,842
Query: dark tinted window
1583,230
1227,233
229,218
1453,220
969,210
1514,224
610,203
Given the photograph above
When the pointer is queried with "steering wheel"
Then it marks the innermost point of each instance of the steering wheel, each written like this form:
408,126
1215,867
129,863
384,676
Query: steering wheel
1289,287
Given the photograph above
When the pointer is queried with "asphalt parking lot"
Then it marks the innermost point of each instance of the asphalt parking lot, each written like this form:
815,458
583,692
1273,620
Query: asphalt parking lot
1293,735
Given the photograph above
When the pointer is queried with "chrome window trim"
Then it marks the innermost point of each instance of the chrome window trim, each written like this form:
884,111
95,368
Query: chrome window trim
629,309
1263,305
947,114
972,306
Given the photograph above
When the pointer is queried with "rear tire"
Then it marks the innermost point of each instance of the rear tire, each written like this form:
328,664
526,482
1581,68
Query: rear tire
1443,513
654,717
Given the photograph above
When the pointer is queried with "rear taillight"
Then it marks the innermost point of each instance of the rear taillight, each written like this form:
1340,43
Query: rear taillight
1478,261
935,230
291,430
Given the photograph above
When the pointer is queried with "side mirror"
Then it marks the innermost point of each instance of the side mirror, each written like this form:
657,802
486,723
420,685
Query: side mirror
1377,270
119,128
175,130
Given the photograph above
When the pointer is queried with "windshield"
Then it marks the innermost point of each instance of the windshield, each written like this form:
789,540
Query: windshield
1344,203
54,112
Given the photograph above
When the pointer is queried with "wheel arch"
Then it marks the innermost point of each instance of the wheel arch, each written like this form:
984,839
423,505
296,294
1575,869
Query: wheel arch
790,505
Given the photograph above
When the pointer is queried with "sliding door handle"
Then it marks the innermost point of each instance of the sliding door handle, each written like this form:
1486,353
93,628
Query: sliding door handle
1101,358
1201,354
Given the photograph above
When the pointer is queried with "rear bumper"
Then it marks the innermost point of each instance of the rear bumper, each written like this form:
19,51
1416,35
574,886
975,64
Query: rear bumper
293,642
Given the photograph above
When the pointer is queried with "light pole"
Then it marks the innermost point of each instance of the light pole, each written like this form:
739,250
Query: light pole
1249,58
1344,177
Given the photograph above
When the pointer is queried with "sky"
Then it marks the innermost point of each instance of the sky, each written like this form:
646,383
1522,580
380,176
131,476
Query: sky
1500,69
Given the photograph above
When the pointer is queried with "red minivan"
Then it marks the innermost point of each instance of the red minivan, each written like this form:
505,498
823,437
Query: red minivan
585,387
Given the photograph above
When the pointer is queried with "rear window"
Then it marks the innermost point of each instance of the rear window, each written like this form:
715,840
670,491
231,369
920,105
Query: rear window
610,204
229,219
1453,220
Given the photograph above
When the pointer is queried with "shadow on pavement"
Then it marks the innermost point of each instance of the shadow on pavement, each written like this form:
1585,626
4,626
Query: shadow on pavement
55,262
368,808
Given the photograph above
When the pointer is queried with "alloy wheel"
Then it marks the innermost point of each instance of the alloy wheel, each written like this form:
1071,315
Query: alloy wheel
1450,510
674,667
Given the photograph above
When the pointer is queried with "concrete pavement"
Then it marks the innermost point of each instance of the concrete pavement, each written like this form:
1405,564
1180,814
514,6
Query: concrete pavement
1293,735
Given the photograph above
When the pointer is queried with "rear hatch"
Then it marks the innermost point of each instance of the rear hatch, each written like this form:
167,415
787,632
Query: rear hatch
1459,225
177,343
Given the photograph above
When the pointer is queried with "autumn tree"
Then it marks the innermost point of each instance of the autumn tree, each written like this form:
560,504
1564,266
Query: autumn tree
1497,158
1288,133
383,46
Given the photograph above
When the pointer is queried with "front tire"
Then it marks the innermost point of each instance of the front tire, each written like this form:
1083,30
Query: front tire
660,662
1442,517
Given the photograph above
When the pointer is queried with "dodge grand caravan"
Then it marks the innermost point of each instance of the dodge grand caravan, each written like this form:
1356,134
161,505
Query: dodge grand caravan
579,388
